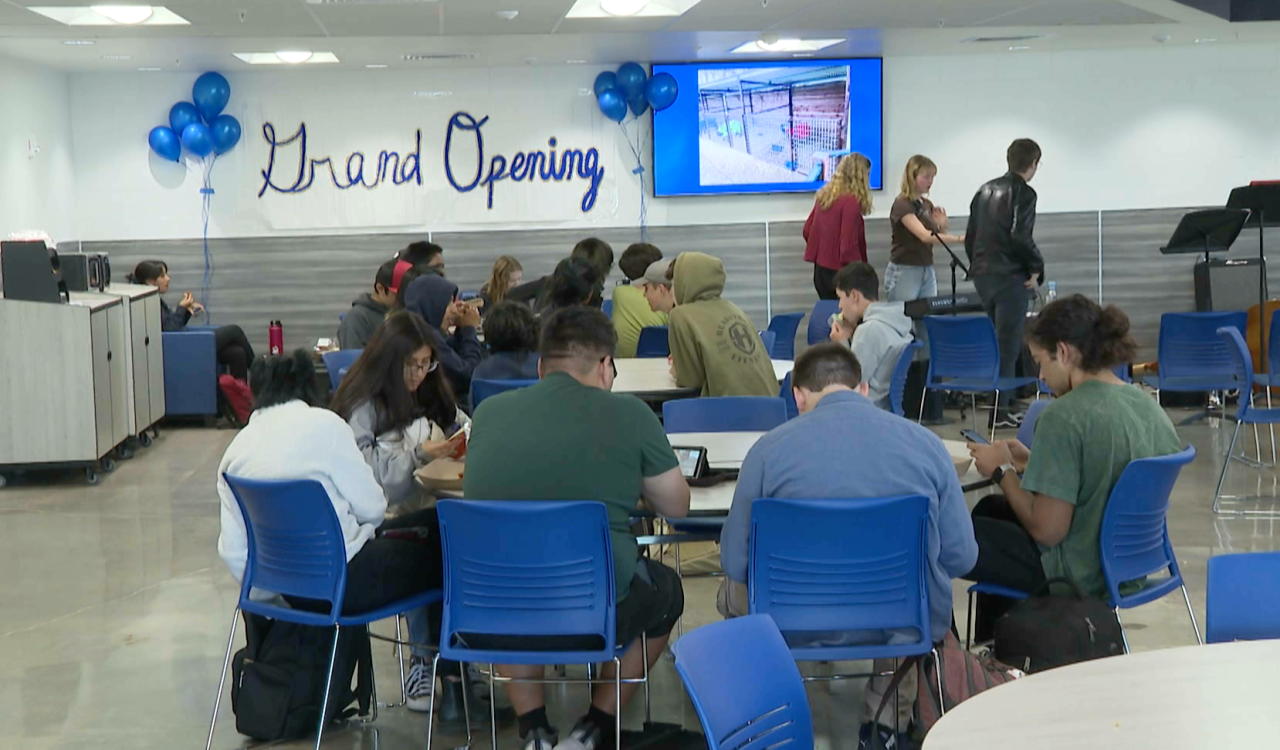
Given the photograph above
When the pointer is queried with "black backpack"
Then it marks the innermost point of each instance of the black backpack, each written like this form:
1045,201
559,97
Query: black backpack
1047,631
277,679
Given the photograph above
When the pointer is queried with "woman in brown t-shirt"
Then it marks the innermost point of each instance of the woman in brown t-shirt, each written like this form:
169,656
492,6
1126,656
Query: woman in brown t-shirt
914,218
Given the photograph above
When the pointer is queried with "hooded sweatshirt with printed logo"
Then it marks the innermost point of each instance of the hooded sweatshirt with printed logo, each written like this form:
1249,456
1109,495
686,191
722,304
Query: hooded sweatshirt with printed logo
714,346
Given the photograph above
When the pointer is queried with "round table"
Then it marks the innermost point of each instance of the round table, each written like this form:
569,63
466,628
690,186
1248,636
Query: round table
651,378
1224,695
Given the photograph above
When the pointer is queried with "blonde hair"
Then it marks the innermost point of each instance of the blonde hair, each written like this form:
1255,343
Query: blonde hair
500,278
852,177
915,165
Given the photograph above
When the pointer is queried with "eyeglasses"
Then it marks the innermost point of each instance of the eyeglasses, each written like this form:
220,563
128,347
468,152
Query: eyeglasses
421,367
612,365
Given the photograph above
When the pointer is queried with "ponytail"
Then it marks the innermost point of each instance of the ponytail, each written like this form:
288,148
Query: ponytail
1101,334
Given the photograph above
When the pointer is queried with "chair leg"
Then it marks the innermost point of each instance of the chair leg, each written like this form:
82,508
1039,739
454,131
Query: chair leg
644,652
973,401
1124,638
679,622
1226,464
328,685
466,699
920,414
373,675
995,411
617,702
1273,430
937,668
431,710
222,679
968,624
404,694
1191,613
493,712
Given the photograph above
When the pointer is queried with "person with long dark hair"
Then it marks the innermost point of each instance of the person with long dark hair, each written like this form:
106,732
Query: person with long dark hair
396,400
1047,522
233,346
435,299
575,282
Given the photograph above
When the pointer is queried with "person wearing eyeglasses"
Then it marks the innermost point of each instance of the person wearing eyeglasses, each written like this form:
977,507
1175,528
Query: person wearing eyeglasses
400,408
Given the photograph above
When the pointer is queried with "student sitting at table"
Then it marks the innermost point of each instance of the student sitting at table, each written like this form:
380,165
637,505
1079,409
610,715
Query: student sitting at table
842,446
576,452
714,346
1048,521
877,332
656,286
435,298
511,333
575,282
292,437
427,255
597,252
506,275
368,310
631,310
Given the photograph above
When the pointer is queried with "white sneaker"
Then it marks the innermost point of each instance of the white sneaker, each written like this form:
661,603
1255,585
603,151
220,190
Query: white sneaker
418,685
540,739
584,736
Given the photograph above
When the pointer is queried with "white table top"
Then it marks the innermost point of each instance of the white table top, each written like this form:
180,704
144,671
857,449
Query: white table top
1223,695
653,375
725,450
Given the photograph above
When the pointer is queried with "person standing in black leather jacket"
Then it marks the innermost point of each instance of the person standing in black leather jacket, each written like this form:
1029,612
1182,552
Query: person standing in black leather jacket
1004,262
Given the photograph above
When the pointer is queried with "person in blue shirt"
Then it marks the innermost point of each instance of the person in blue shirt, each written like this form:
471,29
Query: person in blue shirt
843,446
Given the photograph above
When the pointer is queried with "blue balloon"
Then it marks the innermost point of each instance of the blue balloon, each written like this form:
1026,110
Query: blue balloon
198,139
181,115
164,141
637,104
661,91
614,105
211,94
631,80
605,81
226,133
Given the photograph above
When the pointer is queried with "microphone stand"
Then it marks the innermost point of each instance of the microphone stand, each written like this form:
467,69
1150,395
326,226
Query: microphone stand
955,263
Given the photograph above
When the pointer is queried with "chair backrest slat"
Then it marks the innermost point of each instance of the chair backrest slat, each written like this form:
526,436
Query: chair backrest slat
724,414
962,346
1135,537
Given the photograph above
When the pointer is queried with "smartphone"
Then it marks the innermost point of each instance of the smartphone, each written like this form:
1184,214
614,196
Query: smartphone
973,437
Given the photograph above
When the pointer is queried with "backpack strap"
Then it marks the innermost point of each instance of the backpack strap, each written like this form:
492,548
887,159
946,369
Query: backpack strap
899,674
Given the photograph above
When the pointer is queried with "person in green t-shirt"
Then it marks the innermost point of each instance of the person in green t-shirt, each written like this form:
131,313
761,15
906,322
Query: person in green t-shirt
631,310
569,438
1047,523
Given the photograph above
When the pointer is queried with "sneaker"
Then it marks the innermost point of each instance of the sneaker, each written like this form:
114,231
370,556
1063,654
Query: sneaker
1006,420
585,736
889,740
418,685
540,739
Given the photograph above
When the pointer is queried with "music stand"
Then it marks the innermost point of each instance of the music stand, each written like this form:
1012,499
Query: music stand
1210,231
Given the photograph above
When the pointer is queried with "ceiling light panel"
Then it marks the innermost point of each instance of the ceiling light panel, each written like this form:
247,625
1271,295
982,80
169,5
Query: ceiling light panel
273,58
760,47
97,15
622,9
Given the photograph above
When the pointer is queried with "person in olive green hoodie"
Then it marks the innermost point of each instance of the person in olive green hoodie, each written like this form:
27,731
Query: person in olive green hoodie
714,345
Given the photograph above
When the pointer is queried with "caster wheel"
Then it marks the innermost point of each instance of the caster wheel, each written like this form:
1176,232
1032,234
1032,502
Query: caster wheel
91,477
144,440
124,453
108,465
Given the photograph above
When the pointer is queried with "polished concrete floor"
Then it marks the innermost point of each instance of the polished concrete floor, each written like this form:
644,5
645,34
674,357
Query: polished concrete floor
115,606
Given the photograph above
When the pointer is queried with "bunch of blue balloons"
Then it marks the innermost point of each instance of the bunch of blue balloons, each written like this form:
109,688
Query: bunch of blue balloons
200,126
629,88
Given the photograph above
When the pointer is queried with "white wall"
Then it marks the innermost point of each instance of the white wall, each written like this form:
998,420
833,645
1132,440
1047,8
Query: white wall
35,191
1159,127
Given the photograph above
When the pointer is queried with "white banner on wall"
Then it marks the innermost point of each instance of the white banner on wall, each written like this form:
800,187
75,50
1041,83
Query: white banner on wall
474,154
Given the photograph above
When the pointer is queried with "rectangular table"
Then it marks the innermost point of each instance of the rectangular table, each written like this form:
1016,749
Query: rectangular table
652,377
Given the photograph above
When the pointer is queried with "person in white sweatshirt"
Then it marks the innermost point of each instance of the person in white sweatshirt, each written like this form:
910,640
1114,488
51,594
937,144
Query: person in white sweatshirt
877,332
289,437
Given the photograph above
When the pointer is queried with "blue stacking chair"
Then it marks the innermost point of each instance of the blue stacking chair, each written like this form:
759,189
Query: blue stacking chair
787,393
819,320
785,326
898,385
337,363
724,414
1242,599
1027,430
528,568
296,548
770,340
653,342
1135,534
1246,413
839,565
607,308
964,357
993,590
744,685
1193,357
482,389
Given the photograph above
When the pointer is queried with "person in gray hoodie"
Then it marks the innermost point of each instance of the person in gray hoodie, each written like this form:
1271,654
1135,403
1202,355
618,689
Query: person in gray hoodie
878,332
368,310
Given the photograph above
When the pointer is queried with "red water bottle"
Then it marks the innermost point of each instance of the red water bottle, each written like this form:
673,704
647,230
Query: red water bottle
275,335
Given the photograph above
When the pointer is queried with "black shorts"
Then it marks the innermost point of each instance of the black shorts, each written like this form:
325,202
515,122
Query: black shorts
653,604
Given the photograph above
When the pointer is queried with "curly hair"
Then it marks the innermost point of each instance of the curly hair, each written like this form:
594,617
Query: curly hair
852,177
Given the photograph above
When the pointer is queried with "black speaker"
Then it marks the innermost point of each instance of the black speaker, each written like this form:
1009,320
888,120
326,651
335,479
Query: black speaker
84,272
1229,283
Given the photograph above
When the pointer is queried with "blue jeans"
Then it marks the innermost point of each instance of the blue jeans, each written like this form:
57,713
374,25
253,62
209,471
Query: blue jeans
905,283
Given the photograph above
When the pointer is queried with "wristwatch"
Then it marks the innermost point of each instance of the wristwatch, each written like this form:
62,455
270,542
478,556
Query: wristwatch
998,475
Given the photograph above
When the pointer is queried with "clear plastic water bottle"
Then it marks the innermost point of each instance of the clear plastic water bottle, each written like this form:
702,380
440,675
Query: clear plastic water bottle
1052,294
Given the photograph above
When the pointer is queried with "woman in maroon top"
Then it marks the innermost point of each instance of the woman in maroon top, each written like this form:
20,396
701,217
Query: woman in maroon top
835,234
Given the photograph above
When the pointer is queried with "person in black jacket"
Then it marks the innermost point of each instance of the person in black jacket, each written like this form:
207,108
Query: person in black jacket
595,251
233,348
1004,262
435,298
